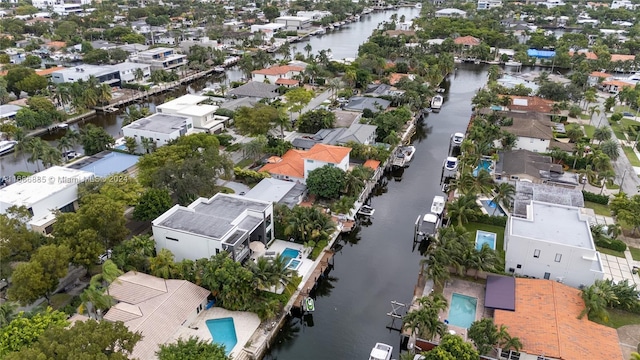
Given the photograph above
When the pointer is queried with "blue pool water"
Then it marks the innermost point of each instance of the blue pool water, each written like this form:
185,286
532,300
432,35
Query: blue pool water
294,264
223,332
462,311
484,164
484,237
492,208
121,147
290,253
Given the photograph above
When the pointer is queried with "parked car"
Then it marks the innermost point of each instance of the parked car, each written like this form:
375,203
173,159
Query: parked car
451,163
104,257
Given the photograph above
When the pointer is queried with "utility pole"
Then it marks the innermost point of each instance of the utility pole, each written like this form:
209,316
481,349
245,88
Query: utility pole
622,181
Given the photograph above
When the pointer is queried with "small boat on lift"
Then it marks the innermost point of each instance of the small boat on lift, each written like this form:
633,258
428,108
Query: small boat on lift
366,210
408,152
436,102
437,206
309,305
381,352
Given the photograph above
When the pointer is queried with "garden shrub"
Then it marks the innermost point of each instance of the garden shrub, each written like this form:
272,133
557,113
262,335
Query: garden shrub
492,220
595,198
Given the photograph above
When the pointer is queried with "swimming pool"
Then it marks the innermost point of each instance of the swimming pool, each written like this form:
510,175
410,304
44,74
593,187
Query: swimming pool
484,237
485,164
290,253
462,311
492,208
223,332
294,264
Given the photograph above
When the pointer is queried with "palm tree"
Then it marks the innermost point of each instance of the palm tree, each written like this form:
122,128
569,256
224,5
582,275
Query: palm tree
308,49
487,260
335,85
95,301
138,74
255,148
589,175
611,148
36,148
574,133
463,209
109,274
596,297
50,156
64,144
606,176
7,313
601,134
483,183
614,230
601,162
424,321
262,273
503,193
103,93
163,264
343,205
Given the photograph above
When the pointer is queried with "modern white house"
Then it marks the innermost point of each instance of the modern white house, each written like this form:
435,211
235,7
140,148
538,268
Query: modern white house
553,242
314,15
160,58
202,115
53,189
267,29
127,71
276,74
113,75
488,4
45,4
451,12
225,222
155,307
294,22
622,4
157,130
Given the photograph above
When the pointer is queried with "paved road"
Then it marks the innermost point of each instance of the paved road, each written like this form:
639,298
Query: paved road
314,103
625,174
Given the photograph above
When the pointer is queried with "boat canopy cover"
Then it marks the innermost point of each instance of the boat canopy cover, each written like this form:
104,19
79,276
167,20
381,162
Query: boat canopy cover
378,354
432,218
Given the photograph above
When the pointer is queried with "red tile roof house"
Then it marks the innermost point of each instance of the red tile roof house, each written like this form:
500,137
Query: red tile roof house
285,74
295,165
597,77
614,86
467,41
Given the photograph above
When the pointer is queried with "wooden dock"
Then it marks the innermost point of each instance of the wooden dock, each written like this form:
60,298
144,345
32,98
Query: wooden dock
322,266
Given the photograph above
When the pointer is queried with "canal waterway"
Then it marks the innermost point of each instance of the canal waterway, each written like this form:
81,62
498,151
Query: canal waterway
377,265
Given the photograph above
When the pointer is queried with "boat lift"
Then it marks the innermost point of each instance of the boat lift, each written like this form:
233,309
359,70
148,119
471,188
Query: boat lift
396,307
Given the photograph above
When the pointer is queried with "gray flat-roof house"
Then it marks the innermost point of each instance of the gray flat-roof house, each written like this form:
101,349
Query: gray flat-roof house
524,165
104,73
225,222
160,58
255,89
358,133
294,22
8,111
290,193
359,103
157,130
552,242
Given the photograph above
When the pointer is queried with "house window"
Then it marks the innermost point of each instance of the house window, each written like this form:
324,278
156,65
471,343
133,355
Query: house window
172,239
558,257
514,177
310,161
217,251
536,253
519,266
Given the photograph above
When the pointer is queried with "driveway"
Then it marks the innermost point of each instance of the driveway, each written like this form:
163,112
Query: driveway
235,186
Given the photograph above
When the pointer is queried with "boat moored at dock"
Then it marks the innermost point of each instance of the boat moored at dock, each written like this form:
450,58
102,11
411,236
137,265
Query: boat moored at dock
437,206
6,146
436,102
426,226
381,352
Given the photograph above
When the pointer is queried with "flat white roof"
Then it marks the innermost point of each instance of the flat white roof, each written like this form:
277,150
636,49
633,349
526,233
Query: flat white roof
198,110
269,26
42,185
555,224
182,102
298,18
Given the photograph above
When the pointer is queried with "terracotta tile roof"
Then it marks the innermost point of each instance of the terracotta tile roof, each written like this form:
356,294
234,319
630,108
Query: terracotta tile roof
467,40
291,164
57,44
546,322
372,164
617,83
45,72
396,33
600,74
278,70
327,153
531,128
531,103
588,54
620,57
394,78
283,81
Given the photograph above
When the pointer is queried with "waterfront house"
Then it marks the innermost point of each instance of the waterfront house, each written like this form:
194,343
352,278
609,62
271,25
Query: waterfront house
488,4
544,317
622,4
533,131
597,77
157,130
289,193
267,29
295,164
467,42
294,23
255,89
314,15
525,165
8,112
278,75
193,106
552,242
113,75
359,103
225,222
160,58
450,12
615,86
127,71
531,104
155,307
44,193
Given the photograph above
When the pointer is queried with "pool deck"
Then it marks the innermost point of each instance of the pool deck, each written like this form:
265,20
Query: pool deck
278,247
246,323
467,288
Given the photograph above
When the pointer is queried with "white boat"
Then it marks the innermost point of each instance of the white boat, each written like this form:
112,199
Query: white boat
419,6
63,126
437,206
436,102
366,210
219,69
381,352
6,146
427,225
457,138
513,63
408,152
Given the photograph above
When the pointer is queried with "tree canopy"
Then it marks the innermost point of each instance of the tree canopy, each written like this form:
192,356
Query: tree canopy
192,349
257,120
312,121
95,139
25,330
327,181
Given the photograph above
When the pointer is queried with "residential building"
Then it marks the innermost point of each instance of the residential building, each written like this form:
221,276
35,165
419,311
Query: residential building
597,77
255,89
157,130
202,115
314,15
154,307
104,73
294,22
45,4
175,105
295,165
553,242
225,222
533,131
288,193
359,103
127,71
488,4
615,86
106,163
467,41
8,112
160,58
531,104
525,165
274,74
545,318
65,9
550,4
53,189
450,12
267,29
622,4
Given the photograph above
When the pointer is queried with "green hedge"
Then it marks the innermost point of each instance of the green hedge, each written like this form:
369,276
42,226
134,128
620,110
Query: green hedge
492,220
135,86
612,244
598,199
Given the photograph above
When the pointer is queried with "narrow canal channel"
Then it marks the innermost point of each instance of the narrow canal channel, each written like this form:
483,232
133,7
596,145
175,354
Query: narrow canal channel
377,265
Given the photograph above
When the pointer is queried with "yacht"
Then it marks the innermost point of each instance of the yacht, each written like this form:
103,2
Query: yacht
457,138
427,225
436,102
381,352
366,210
512,63
6,146
408,152
437,206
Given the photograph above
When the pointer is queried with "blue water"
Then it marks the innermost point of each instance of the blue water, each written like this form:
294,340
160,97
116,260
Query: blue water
223,332
484,237
121,147
462,311
492,208
290,253
484,164
294,264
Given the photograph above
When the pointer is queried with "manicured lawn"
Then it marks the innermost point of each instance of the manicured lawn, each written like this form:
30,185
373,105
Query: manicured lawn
589,130
599,209
618,131
610,252
584,116
622,109
619,318
633,158
473,227
635,253
244,163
